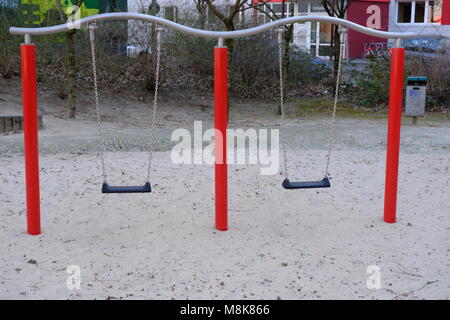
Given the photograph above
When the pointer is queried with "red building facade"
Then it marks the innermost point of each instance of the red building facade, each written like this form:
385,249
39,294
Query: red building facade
371,14
445,12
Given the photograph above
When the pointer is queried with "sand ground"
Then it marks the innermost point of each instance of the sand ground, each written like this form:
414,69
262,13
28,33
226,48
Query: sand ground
313,244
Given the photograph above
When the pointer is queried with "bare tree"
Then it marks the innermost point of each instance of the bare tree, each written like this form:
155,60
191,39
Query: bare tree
335,8
228,18
70,57
264,7
201,6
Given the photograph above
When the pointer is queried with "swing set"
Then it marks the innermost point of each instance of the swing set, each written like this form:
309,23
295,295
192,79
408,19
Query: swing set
28,58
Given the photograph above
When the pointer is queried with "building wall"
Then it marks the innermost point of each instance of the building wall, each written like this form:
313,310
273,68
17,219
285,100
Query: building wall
446,13
372,14
441,27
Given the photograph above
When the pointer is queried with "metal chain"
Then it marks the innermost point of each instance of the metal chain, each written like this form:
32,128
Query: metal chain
155,99
99,110
280,65
97,104
336,96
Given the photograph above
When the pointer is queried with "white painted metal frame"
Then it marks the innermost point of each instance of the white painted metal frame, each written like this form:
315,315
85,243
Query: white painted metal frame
28,32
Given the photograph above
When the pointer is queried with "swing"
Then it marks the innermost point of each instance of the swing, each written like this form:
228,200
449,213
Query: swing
325,182
106,188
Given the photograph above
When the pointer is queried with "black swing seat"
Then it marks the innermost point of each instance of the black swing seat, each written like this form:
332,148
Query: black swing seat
324,183
106,188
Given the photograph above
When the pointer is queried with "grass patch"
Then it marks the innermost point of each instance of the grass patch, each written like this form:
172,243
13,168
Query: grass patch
323,107
431,117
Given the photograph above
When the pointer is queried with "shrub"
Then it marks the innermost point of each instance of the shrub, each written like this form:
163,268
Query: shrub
370,87
187,62
436,67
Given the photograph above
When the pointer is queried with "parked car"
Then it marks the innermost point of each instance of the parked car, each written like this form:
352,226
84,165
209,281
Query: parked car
424,46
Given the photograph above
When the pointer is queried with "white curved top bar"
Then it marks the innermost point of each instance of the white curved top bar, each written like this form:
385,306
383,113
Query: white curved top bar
219,34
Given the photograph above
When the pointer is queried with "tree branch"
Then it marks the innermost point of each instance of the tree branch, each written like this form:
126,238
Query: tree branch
216,12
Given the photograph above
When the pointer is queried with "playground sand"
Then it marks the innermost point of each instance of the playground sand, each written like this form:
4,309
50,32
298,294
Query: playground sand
309,244
281,244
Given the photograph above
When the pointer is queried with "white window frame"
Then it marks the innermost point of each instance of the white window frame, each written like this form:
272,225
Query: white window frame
317,42
286,14
308,25
413,13
308,10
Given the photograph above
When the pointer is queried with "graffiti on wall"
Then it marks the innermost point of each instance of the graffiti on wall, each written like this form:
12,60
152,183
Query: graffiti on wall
37,12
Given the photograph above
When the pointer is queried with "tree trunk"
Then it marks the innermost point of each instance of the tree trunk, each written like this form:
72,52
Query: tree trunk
336,57
229,26
70,61
71,71
150,59
201,9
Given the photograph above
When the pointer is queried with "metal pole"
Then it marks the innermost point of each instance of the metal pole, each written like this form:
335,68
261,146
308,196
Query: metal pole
393,135
30,130
220,125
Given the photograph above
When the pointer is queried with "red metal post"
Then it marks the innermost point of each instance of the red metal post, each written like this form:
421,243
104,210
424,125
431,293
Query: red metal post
393,135
220,124
30,130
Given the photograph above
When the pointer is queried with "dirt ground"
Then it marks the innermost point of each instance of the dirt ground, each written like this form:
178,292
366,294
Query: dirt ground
310,244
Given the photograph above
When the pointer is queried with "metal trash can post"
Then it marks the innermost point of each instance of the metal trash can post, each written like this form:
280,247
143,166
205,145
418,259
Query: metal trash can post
416,92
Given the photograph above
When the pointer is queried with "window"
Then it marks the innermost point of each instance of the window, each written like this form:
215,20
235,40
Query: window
314,31
317,7
325,33
419,11
303,7
275,8
325,51
434,11
261,19
278,8
404,12
288,9
419,14
320,38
